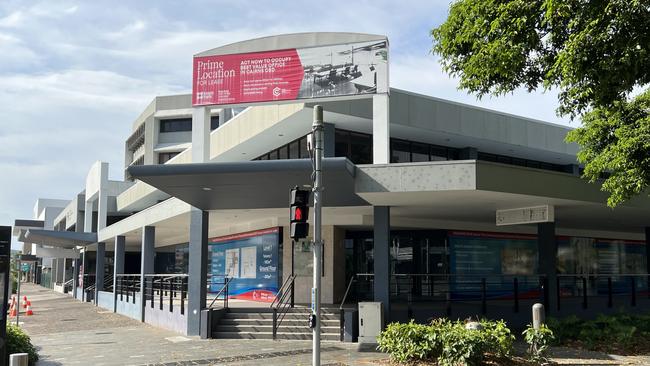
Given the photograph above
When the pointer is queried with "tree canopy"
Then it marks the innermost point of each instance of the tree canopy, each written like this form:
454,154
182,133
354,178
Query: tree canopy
595,52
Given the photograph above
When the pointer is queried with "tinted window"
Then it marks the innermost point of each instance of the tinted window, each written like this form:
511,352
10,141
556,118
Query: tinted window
360,148
342,144
419,152
400,151
214,122
176,125
294,150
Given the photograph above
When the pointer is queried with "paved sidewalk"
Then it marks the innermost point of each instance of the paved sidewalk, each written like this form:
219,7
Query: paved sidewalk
69,332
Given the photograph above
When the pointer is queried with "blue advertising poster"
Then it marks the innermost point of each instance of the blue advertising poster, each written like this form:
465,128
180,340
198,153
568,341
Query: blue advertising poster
497,258
250,259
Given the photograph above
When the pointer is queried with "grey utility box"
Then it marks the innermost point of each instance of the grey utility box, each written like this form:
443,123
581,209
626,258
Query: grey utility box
371,321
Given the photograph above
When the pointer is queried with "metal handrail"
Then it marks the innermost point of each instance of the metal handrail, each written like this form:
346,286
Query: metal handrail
225,295
347,291
281,308
282,290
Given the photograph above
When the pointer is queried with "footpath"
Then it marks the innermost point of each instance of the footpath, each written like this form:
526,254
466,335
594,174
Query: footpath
69,332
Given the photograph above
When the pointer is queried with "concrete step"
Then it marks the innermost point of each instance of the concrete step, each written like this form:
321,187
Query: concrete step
269,328
286,321
269,335
297,316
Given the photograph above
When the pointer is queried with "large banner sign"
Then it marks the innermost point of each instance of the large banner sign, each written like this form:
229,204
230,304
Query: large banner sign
327,71
250,260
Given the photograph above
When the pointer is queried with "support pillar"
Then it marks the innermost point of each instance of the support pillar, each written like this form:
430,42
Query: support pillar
118,265
146,263
380,129
198,269
647,249
88,217
99,270
75,277
382,258
60,270
547,254
83,271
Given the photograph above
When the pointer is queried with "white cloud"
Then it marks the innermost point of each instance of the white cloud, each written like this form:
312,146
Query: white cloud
12,20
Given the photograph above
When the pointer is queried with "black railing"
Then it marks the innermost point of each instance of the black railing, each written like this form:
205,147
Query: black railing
602,289
127,286
283,301
222,293
167,290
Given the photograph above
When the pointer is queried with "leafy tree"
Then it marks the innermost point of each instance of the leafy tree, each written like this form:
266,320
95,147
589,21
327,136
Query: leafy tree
595,52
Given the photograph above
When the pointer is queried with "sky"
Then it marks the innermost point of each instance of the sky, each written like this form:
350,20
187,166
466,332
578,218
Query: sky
74,75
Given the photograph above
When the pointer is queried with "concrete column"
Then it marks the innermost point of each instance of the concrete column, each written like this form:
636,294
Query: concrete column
380,129
198,269
382,257
60,270
118,265
146,263
53,273
547,254
75,277
647,248
200,134
84,270
102,197
99,270
88,217
80,225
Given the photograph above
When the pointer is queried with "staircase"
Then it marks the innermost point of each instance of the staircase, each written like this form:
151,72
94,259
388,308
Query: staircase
258,324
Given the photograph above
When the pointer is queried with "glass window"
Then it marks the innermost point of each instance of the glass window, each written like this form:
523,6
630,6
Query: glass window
263,157
438,153
165,157
214,122
284,152
504,159
400,151
304,154
360,148
273,155
342,143
176,125
294,150
419,152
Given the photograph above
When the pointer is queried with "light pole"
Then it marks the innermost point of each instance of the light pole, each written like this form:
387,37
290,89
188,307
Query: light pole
317,131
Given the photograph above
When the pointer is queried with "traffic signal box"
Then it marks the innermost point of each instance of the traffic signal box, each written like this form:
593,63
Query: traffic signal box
299,213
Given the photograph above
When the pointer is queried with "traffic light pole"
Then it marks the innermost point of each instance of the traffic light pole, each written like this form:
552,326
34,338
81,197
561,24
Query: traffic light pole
317,130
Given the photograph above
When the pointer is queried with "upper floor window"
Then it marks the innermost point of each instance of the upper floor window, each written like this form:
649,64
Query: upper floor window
165,157
176,125
214,123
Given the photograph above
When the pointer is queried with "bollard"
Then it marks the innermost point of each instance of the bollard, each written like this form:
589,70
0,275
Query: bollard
19,359
538,315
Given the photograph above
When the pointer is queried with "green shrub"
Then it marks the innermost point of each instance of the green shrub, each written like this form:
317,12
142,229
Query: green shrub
410,341
539,341
19,342
447,342
623,332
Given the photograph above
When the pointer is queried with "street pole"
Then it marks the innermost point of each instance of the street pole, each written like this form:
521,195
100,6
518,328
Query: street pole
317,131
18,291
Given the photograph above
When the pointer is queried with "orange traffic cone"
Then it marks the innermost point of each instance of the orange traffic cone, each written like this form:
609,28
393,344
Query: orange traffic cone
24,302
29,310
13,311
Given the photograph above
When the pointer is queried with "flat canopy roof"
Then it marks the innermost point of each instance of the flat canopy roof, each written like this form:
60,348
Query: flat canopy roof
62,239
249,184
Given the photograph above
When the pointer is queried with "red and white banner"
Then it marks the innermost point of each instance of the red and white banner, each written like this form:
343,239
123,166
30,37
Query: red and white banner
349,69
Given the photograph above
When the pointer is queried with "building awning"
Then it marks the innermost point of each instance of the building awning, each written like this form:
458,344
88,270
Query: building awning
249,184
61,239
21,224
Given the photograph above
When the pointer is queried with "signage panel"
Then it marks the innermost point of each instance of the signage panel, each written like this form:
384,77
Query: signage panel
302,73
251,260
525,215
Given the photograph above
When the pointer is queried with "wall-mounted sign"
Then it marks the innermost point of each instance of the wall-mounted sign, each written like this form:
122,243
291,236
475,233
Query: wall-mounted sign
525,215
303,73
251,260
